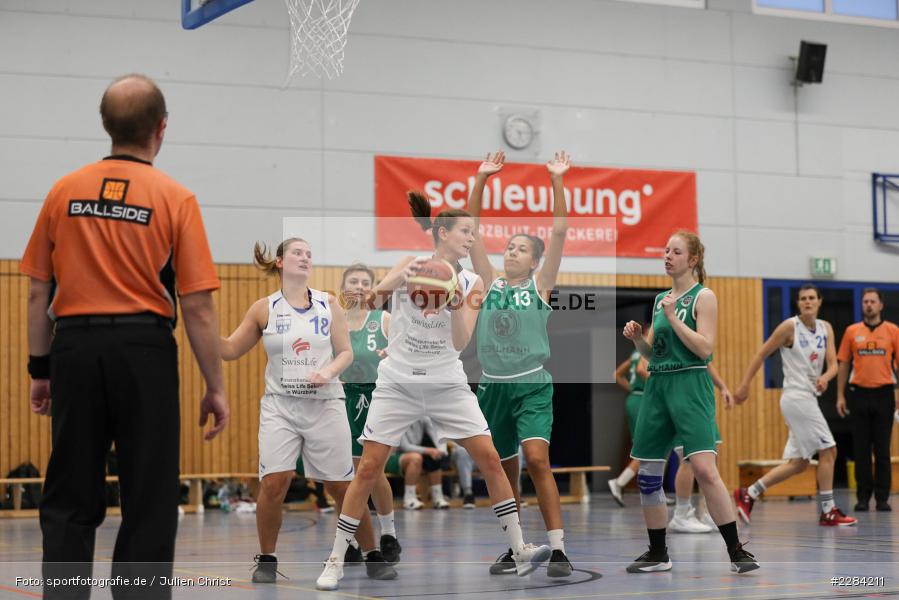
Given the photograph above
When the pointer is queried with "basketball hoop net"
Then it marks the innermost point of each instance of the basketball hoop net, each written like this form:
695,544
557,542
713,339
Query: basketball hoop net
318,33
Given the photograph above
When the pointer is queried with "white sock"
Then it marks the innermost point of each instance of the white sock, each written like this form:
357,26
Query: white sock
436,492
625,477
388,527
757,489
508,520
682,505
409,494
272,554
827,503
556,539
346,532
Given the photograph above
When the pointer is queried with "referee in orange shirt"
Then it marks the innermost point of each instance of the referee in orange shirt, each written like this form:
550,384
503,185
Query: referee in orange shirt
120,239
872,346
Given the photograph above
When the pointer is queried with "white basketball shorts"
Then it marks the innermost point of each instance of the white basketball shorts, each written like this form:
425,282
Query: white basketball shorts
453,409
317,429
808,428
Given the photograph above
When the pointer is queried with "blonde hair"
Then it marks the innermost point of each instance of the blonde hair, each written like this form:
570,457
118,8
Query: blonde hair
268,263
694,248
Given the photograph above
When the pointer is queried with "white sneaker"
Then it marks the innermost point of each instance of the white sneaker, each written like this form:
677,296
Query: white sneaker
616,492
688,523
412,504
331,576
440,503
706,519
529,558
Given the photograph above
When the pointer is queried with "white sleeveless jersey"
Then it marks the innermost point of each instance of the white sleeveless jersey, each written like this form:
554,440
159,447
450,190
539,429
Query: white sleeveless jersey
803,362
420,347
298,343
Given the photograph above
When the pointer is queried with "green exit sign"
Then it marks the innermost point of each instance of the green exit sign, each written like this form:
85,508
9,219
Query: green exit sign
824,267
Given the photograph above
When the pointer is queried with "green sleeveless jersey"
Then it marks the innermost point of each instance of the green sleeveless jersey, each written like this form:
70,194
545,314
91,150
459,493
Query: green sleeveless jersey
365,342
511,330
636,382
668,351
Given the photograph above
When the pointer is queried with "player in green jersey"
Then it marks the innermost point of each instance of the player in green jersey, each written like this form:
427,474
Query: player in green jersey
630,376
368,339
515,392
679,402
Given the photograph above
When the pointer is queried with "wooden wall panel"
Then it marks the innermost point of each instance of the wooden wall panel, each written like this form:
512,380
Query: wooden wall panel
754,430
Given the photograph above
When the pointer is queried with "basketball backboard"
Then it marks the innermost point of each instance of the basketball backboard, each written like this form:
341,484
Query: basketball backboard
195,13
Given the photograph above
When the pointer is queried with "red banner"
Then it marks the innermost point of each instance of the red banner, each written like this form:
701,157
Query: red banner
612,212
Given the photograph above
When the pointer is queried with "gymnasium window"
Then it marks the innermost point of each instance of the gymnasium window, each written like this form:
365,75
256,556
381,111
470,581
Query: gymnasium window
841,307
884,13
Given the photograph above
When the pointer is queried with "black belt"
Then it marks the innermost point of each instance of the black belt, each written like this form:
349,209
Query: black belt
113,320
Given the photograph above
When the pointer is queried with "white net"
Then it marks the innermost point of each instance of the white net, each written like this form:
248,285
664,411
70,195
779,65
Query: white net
318,34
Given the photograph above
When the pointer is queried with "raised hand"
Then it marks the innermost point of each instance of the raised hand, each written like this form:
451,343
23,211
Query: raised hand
633,330
559,165
492,164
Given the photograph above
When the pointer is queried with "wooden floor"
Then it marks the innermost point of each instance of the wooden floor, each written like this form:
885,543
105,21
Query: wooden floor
446,555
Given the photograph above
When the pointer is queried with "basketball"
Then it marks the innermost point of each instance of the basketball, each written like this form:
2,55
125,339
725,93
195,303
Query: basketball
434,286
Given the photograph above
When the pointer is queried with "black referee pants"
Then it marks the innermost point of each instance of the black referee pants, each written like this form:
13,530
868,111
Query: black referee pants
871,417
112,383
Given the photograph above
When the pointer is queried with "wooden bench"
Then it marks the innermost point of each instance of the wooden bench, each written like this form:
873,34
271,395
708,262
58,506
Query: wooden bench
803,484
194,503
578,491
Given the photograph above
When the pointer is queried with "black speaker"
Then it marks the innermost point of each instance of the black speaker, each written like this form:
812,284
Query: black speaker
810,66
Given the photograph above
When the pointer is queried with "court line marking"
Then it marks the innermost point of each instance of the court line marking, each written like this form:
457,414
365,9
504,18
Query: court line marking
656,592
289,586
23,592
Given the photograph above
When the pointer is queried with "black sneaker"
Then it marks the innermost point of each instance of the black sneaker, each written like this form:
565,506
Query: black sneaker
353,556
390,549
861,506
883,506
377,568
266,569
468,501
504,565
741,560
650,562
558,566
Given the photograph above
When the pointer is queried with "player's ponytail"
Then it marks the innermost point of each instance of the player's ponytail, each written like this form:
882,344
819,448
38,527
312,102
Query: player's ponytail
267,263
697,249
421,212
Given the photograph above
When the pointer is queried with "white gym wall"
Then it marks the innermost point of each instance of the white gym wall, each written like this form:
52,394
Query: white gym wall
617,84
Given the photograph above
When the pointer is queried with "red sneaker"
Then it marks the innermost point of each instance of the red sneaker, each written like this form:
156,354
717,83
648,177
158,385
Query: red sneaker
744,503
836,518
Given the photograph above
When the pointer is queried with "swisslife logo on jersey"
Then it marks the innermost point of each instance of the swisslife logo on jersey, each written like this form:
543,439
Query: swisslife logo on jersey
611,212
300,345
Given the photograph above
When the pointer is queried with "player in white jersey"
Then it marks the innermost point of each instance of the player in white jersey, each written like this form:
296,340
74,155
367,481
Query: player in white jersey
805,343
304,332
423,376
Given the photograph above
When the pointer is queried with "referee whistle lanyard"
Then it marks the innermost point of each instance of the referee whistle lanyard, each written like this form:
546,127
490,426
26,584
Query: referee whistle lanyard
361,404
